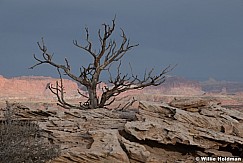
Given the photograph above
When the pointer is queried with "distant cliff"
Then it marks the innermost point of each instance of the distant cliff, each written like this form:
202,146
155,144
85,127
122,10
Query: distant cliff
36,87
33,87
177,86
225,87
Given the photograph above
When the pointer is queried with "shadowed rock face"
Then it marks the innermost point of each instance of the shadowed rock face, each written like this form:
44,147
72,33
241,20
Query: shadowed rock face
161,132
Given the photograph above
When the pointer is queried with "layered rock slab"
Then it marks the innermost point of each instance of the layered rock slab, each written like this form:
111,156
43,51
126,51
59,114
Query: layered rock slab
157,132
217,131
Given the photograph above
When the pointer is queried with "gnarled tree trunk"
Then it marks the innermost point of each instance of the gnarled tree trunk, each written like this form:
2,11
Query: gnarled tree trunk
93,99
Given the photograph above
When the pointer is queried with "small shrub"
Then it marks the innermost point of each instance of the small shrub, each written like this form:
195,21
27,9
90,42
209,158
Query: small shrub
21,141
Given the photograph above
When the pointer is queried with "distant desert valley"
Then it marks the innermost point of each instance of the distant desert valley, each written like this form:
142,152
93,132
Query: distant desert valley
35,89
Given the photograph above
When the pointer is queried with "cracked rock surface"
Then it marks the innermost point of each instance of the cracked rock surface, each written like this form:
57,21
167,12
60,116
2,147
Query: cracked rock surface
157,132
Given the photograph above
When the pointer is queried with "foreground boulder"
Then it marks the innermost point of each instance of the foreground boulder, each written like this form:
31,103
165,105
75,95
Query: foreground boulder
155,132
212,131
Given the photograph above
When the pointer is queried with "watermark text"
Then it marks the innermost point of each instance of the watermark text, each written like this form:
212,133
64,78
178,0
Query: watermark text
219,159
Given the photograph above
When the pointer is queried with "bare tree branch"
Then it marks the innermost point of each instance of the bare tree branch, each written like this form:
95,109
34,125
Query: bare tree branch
58,90
110,51
82,94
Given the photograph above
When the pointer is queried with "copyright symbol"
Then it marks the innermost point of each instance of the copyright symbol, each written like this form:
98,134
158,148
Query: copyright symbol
197,158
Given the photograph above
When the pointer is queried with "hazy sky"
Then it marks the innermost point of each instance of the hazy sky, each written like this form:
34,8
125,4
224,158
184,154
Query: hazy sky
204,37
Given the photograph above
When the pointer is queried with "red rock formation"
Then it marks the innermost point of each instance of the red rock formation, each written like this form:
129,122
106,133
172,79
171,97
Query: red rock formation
177,86
36,87
33,87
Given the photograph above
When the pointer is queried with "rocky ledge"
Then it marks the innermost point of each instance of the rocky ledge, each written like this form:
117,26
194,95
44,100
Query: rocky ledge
153,133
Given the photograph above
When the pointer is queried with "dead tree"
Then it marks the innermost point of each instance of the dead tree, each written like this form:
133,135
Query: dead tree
110,51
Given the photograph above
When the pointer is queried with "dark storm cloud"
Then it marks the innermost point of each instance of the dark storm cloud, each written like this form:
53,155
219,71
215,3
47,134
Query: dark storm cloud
204,37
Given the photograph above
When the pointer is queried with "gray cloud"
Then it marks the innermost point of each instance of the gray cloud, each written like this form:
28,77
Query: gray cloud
204,37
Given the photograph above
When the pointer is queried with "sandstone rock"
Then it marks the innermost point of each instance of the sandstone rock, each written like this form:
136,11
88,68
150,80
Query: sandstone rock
189,103
106,144
104,148
135,151
169,125
160,132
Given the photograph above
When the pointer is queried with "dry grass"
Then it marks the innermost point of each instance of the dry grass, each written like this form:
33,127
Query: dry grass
22,141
